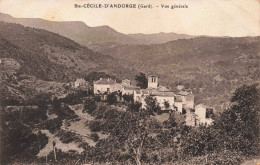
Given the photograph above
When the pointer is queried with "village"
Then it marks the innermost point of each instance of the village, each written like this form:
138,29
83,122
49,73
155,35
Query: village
181,102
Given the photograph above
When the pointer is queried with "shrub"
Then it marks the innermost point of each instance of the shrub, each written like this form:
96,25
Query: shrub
89,106
53,125
67,137
94,137
134,107
111,98
95,126
128,98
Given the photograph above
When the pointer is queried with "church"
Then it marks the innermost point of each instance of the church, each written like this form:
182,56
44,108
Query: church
162,94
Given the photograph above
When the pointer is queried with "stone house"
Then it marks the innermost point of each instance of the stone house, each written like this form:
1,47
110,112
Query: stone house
104,85
109,85
162,94
80,82
187,99
201,115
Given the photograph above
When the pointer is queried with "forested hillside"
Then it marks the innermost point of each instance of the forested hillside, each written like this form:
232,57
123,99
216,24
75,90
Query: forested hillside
211,67
49,56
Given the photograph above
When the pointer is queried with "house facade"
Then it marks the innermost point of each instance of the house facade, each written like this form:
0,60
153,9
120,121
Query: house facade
108,85
201,115
80,82
162,94
104,85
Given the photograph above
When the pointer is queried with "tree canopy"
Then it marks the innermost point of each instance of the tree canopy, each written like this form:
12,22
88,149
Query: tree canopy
141,80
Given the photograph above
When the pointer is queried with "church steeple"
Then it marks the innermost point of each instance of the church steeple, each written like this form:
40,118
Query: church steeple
152,81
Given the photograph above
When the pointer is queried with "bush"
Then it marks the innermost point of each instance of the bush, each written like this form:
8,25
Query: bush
95,126
134,107
111,98
94,137
75,98
128,98
67,137
89,106
97,98
53,125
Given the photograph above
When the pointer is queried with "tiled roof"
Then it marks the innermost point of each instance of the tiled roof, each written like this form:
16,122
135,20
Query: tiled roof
167,94
130,87
138,91
183,93
162,89
105,81
144,91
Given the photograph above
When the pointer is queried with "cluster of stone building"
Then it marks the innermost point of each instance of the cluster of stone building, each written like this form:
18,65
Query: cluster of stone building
179,102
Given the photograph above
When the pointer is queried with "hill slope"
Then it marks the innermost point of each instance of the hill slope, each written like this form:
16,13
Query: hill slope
158,38
49,56
212,67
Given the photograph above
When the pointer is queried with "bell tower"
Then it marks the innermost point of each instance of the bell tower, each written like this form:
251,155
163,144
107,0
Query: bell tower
152,81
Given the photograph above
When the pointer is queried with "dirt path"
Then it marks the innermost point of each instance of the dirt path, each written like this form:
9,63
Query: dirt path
59,145
252,162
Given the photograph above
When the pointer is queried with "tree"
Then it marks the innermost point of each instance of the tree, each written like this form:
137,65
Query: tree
166,104
89,106
111,98
141,80
128,98
94,136
152,105
240,123
134,106
95,126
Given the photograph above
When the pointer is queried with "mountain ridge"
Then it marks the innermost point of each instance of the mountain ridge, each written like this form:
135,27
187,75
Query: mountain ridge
93,36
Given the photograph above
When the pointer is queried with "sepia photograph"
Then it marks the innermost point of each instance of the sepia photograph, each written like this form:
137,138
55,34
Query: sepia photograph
129,82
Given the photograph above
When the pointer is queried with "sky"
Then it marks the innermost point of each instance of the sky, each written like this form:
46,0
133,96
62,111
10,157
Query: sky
234,18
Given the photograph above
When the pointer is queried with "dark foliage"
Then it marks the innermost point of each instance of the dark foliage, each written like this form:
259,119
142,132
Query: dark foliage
94,137
95,126
128,98
134,107
75,97
18,142
152,105
141,80
53,125
111,98
239,125
89,105
67,137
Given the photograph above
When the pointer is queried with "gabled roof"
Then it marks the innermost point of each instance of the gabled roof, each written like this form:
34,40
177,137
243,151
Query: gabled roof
130,87
138,91
166,94
162,89
144,91
105,81
183,93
